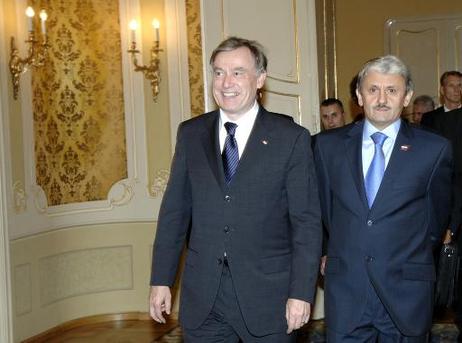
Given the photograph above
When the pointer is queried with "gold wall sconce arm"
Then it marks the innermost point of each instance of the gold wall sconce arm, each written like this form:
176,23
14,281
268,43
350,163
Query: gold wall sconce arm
36,56
150,71
36,51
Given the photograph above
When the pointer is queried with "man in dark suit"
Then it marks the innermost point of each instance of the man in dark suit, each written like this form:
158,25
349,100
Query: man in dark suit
243,182
383,212
451,94
450,126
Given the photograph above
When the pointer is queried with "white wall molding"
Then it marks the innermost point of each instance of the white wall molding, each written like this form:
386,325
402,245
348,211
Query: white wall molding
129,200
178,73
6,329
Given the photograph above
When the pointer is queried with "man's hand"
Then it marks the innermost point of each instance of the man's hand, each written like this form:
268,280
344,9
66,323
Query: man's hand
297,314
160,301
447,237
322,266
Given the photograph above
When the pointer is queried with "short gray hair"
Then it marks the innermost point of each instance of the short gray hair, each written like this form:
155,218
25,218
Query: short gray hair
233,43
424,99
388,64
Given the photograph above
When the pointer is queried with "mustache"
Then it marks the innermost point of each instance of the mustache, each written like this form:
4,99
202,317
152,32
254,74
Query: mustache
381,107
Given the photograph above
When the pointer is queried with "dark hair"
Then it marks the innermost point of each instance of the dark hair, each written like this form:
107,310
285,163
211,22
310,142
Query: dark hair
389,64
449,73
332,101
233,43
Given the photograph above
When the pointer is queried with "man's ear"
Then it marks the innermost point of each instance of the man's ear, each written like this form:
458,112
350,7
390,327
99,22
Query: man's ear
360,98
261,80
408,97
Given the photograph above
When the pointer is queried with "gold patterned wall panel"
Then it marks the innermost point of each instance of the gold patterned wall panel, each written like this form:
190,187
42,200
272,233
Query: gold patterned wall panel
196,80
78,104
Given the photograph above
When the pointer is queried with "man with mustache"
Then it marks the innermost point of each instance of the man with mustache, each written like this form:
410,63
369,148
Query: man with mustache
383,212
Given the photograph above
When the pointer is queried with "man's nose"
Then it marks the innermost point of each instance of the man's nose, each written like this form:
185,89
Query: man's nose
382,97
227,80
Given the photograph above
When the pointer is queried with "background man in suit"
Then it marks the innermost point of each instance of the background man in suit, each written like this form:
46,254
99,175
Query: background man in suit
450,127
248,195
451,95
332,113
383,212
421,105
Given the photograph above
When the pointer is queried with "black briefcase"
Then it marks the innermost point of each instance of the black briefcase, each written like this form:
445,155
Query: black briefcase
447,275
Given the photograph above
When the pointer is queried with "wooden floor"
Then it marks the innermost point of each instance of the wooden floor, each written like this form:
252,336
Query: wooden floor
129,331
114,328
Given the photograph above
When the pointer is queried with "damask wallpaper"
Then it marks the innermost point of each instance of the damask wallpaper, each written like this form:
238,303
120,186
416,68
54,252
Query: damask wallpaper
78,102
196,80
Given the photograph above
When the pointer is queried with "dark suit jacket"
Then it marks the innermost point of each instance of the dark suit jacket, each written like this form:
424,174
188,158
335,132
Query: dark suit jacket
428,119
449,125
267,221
390,244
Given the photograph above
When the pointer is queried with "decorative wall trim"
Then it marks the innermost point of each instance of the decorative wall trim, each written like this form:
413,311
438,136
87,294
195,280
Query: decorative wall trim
19,197
85,271
159,183
178,73
128,200
23,289
6,325
327,49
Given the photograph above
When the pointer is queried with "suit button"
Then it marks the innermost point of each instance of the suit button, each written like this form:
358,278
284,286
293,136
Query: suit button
369,259
370,222
219,261
226,229
227,198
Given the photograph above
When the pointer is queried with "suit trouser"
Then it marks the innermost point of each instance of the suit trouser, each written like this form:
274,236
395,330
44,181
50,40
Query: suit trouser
225,323
375,326
458,303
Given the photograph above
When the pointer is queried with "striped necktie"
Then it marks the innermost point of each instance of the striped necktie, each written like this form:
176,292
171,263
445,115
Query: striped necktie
230,153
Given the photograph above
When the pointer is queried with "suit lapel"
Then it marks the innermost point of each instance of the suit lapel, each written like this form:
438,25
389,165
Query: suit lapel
353,146
398,160
254,146
211,144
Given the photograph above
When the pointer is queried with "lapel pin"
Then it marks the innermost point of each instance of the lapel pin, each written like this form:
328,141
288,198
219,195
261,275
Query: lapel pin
264,142
405,147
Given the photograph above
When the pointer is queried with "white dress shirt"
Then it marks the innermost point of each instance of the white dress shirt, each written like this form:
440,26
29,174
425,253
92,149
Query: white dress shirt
244,127
447,109
368,146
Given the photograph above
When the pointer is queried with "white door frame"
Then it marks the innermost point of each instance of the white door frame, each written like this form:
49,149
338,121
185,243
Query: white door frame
6,332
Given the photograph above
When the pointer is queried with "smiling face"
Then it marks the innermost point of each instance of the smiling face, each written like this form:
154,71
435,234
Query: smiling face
383,97
236,81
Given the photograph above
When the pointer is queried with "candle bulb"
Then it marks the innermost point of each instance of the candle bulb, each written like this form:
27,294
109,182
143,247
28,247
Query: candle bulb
30,18
156,26
133,27
43,18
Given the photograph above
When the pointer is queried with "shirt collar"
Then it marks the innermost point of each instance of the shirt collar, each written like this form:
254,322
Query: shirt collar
247,118
447,109
391,130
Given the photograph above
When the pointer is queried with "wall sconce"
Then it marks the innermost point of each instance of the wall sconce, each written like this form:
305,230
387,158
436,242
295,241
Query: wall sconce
151,71
36,53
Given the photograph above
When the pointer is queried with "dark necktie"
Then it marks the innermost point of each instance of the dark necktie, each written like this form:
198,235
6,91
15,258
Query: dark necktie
230,154
376,169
